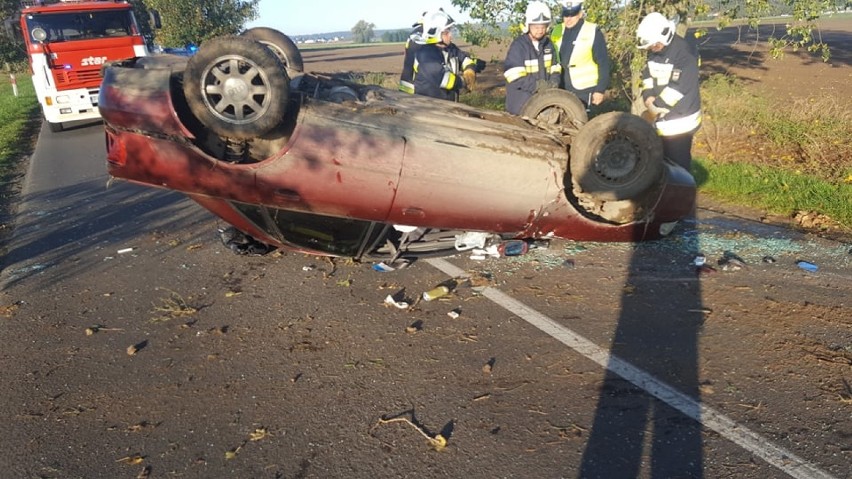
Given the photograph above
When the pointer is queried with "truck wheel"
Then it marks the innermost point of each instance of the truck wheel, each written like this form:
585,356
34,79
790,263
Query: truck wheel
236,87
556,107
281,45
616,156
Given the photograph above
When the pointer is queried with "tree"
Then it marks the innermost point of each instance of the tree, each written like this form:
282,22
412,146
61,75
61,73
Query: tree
393,36
619,18
188,22
12,52
363,31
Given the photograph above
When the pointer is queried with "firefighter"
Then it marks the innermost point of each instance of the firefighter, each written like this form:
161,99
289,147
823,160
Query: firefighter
670,86
441,69
530,64
412,44
581,50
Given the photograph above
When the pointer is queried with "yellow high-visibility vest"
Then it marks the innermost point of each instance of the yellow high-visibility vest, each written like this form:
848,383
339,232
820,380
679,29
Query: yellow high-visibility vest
581,66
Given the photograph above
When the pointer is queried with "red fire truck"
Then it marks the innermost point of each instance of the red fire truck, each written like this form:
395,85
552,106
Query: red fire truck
67,43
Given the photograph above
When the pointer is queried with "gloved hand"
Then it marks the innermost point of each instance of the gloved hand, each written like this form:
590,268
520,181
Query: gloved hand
469,79
655,110
658,111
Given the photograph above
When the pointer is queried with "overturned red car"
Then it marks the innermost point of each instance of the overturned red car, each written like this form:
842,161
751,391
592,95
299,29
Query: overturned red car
322,165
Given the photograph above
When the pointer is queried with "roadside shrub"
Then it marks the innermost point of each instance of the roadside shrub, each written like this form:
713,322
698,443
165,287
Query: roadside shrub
813,135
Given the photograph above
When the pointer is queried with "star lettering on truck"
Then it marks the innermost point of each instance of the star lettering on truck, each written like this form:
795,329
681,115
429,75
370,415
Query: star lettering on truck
91,61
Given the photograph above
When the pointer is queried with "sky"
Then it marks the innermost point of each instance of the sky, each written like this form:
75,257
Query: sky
324,16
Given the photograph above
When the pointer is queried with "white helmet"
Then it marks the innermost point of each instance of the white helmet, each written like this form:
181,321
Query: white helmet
571,8
434,23
538,13
655,28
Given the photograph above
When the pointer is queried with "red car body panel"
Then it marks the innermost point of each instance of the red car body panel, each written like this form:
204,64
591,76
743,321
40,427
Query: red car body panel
398,159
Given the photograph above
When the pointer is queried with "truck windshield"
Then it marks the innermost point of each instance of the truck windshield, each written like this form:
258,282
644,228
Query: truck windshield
81,25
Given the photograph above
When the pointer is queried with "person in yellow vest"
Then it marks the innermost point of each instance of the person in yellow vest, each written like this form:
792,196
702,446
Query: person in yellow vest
581,49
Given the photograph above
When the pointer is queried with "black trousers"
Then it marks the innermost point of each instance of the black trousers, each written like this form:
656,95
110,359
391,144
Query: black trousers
678,148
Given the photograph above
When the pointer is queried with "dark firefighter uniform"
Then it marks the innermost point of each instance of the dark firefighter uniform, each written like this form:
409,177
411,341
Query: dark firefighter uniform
437,70
526,67
671,76
584,59
406,79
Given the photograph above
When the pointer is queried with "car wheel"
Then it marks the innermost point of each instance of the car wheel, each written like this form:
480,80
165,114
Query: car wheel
281,45
556,107
616,156
236,87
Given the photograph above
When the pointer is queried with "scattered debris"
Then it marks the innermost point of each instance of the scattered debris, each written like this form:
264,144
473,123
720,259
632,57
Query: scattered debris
144,473
455,313
9,310
126,250
489,366
513,248
699,260
98,328
392,300
482,397
436,293
768,259
258,434
173,307
807,266
437,441
135,348
414,327
131,460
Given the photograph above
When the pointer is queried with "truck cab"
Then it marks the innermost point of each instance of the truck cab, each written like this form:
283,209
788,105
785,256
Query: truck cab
67,42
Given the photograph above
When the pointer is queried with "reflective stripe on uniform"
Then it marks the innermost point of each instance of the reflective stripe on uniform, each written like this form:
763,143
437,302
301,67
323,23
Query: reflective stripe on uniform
467,62
661,72
680,125
449,81
670,96
406,87
513,74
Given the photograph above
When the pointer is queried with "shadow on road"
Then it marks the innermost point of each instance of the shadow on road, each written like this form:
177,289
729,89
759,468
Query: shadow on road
633,430
51,229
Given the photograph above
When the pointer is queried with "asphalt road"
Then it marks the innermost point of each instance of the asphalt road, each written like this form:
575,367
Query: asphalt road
581,360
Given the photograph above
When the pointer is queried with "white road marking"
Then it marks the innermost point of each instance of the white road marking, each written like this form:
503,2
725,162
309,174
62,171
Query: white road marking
779,457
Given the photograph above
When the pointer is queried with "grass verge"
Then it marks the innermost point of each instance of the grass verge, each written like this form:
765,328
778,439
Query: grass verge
16,117
775,190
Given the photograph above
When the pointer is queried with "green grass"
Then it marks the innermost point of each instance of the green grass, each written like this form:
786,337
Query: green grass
775,190
16,119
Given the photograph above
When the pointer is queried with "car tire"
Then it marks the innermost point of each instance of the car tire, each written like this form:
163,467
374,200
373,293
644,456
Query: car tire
616,156
556,107
236,87
281,45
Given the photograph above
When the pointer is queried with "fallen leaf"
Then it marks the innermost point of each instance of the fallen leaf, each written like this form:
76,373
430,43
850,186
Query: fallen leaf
258,434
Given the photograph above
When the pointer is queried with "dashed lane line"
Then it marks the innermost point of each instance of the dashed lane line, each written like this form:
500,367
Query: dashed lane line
781,458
